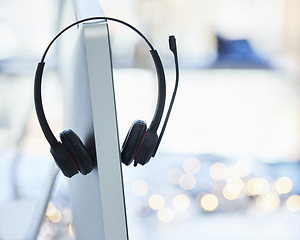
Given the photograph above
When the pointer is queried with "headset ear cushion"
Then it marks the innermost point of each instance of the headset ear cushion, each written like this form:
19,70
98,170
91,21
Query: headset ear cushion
132,141
147,148
62,160
77,150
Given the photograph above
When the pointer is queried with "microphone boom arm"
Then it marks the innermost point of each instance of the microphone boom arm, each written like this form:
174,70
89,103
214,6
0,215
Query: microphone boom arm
173,48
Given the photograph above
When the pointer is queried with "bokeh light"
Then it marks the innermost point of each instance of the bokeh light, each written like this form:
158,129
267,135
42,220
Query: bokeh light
45,229
268,202
284,185
181,202
53,213
233,190
217,171
191,165
257,186
187,181
165,215
293,203
140,188
71,230
156,202
209,202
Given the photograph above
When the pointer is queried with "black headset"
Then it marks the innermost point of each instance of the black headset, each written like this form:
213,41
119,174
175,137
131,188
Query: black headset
140,144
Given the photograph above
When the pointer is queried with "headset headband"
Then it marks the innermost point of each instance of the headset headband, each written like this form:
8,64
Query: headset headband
39,72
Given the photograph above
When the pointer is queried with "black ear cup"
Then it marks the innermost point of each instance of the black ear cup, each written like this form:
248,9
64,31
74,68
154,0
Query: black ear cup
77,151
132,141
62,160
147,148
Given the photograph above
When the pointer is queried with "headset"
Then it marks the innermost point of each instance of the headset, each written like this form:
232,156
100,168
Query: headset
140,144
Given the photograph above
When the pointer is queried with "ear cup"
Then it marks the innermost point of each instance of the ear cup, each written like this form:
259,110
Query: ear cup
132,141
77,150
62,160
146,148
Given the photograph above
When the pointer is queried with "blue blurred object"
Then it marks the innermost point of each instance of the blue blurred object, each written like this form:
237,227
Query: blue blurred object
238,53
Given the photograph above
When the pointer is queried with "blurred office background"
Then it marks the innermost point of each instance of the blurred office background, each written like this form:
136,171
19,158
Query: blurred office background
228,166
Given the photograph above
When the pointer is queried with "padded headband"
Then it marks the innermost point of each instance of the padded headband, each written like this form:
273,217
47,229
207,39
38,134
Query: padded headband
39,73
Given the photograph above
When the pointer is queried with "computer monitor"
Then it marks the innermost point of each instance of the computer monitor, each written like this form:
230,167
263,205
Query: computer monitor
97,199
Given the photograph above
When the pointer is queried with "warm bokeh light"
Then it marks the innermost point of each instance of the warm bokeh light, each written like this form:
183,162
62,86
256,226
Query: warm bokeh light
187,181
268,202
293,203
71,230
209,202
53,213
156,202
45,229
233,190
244,166
140,188
257,186
174,175
284,185
165,215
181,202
217,171
191,165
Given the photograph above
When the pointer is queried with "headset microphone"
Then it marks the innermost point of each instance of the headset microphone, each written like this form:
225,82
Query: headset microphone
141,142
